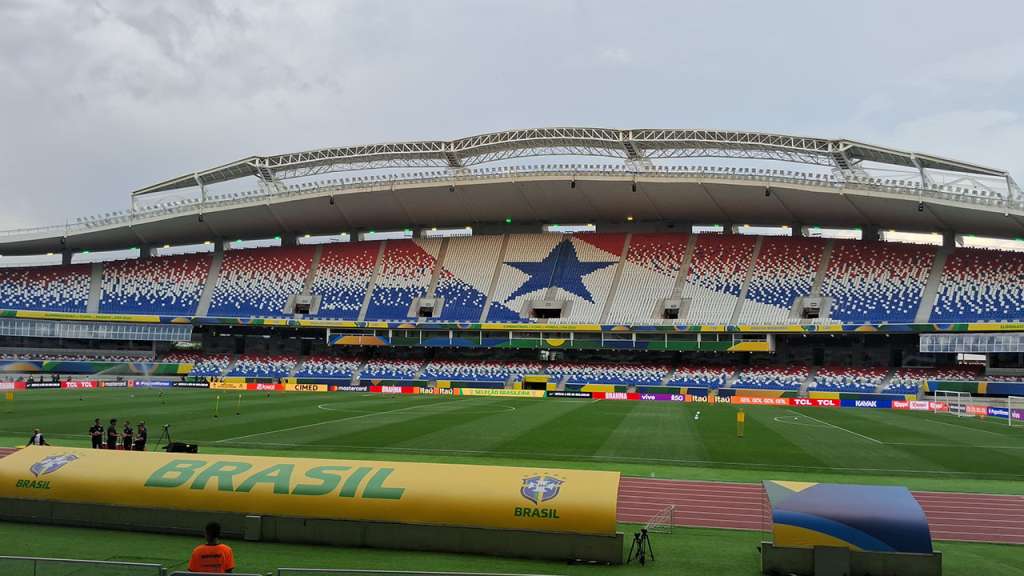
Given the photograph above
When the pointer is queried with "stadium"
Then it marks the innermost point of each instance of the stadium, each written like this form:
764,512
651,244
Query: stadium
694,325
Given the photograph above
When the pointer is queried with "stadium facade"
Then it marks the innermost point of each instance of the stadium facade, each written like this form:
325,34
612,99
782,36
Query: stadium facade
482,263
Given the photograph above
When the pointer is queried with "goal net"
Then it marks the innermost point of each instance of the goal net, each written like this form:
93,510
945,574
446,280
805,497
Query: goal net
955,400
661,523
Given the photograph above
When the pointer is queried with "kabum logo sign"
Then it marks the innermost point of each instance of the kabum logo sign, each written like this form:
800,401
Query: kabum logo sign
539,489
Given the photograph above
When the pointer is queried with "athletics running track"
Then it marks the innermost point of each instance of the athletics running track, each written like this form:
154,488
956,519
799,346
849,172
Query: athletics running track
951,515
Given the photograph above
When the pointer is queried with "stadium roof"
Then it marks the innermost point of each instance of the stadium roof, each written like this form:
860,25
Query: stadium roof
631,145
825,183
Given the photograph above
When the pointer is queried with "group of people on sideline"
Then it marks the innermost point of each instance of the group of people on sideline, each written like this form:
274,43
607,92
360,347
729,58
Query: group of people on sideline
127,438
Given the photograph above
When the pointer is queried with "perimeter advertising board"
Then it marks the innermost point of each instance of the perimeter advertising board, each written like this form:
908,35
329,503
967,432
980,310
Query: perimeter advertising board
532,499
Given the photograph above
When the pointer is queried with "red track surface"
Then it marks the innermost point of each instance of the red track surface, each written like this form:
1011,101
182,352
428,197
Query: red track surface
951,515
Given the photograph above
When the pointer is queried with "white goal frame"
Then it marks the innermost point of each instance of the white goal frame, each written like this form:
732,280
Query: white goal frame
954,398
1014,403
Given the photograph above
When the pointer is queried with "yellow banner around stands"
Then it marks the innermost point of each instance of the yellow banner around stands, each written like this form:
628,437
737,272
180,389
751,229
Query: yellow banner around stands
292,387
228,384
534,499
501,392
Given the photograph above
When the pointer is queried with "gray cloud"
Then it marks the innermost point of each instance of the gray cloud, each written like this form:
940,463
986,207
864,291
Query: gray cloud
100,98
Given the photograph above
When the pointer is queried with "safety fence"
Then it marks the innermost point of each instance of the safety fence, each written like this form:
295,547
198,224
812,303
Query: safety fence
26,566
30,566
336,571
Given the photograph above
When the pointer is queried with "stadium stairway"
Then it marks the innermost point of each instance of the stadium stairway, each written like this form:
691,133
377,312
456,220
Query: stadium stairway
931,288
745,286
811,375
211,282
372,285
887,380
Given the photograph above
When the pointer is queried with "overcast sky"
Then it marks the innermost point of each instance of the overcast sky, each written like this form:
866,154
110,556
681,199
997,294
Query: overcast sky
98,98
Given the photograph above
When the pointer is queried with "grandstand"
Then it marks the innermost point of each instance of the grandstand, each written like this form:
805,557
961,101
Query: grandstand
454,300
634,297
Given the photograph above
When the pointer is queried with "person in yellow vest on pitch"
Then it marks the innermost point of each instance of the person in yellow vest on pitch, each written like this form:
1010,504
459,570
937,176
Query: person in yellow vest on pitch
741,417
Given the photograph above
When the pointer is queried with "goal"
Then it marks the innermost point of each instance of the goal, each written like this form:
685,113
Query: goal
955,400
1015,411
662,522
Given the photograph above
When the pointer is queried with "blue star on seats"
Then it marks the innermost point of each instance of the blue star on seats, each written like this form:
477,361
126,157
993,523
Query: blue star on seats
561,263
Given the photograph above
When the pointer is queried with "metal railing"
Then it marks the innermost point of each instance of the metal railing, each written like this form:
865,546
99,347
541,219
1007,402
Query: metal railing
29,566
1003,199
214,574
319,571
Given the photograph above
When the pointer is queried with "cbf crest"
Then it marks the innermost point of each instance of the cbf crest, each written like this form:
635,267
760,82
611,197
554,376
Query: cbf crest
541,488
51,464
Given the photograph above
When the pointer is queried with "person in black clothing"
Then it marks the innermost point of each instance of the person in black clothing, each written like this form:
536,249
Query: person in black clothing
37,439
96,433
140,438
127,435
112,434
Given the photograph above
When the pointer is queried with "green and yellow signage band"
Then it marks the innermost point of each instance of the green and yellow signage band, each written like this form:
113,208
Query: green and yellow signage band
535,499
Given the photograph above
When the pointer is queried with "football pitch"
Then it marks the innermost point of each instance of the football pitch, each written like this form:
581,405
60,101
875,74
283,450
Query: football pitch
661,439
665,440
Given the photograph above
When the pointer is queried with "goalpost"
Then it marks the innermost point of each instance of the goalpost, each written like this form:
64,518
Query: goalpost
1015,407
955,400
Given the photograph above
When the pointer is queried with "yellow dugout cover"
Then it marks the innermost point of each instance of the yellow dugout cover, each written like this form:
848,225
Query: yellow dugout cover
534,499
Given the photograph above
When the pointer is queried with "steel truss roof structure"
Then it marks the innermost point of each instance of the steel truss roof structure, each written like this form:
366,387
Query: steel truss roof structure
632,146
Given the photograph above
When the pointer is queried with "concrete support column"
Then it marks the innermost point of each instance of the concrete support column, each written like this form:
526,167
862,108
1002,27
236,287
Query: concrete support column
798,229
289,239
948,239
147,251
65,257
870,232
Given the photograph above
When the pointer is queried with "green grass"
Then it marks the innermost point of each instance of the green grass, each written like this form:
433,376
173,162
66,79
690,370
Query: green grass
685,551
919,450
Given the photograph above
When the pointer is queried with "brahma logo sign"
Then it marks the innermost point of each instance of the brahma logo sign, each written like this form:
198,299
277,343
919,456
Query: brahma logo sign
266,387
390,389
616,396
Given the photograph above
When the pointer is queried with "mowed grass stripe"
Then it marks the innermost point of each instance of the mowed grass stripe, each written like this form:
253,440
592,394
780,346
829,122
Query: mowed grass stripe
510,419
932,446
764,439
579,431
664,429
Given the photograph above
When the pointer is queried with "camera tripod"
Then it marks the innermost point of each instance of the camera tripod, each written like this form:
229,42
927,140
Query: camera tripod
641,548
165,434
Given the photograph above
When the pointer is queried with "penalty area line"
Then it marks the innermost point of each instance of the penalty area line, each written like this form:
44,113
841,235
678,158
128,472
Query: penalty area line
830,425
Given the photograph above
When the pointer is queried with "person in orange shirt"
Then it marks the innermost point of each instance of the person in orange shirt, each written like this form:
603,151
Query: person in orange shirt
212,557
